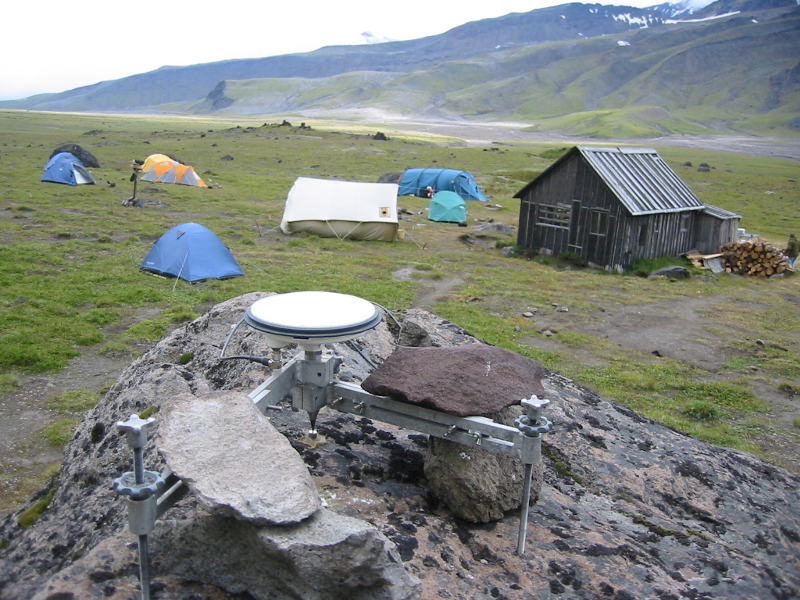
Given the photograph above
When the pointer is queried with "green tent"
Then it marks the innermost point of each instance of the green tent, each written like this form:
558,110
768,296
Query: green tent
447,207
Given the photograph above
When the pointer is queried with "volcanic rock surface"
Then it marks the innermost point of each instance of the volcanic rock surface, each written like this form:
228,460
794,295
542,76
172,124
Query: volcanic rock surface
629,509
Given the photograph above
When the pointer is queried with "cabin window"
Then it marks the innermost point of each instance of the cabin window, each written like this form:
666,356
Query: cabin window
684,223
553,216
599,223
642,235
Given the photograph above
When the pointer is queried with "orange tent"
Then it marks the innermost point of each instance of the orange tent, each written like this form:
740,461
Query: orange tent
169,171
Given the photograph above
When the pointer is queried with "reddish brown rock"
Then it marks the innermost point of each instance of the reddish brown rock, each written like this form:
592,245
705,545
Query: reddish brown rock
469,380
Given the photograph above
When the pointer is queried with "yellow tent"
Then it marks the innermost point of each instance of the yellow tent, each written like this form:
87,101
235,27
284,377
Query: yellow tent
160,168
156,158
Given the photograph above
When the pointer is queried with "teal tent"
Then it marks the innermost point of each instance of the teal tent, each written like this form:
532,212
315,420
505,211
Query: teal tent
415,182
447,207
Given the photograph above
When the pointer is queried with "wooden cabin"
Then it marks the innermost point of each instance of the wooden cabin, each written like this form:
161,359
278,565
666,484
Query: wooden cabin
614,206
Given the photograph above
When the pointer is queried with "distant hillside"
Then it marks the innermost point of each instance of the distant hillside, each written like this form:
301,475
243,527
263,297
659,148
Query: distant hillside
176,84
585,69
724,74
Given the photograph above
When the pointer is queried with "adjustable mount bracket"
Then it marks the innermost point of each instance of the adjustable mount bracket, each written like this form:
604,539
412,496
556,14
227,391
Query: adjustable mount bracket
149,494
310,380
312,319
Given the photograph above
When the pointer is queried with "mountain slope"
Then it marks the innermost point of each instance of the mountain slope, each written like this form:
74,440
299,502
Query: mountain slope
731,73
582,69
177,84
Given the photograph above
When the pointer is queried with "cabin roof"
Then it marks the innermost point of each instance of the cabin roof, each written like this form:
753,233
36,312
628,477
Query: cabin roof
642,181
720,213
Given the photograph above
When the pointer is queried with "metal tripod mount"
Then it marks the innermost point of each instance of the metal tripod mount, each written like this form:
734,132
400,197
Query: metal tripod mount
313,319
150,494
310,379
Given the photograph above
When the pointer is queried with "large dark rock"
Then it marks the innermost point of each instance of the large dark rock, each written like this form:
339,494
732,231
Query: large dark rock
477,485
470,380
629,508
82,154
672,272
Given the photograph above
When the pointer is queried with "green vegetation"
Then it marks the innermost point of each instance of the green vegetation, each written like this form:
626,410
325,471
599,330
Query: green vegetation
659,530
147,412
643,267
702,410
560,465
73,401
32,514
574,259
70,281
9,382
59,433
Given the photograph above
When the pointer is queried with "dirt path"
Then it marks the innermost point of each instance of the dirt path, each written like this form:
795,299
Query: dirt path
24,451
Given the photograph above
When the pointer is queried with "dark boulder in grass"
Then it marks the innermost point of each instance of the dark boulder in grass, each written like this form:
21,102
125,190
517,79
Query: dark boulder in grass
674,272
82,154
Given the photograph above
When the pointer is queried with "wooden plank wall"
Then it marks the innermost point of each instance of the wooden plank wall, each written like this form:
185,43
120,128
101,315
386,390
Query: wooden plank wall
623,244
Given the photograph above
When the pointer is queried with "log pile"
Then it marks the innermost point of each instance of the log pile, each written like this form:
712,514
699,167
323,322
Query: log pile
754,258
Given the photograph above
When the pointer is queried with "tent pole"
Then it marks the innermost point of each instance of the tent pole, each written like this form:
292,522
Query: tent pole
346,235
180,271
328,223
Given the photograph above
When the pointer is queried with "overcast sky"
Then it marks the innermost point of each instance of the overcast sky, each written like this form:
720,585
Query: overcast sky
50,46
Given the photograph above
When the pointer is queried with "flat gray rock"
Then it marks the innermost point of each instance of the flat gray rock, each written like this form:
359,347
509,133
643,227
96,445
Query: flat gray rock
469,380
326,557
234,460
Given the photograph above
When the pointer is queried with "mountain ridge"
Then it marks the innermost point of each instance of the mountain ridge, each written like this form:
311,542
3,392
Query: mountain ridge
551,67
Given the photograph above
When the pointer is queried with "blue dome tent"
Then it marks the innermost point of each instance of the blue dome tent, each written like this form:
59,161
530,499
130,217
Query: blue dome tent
447,207
416,181
193,253
68,169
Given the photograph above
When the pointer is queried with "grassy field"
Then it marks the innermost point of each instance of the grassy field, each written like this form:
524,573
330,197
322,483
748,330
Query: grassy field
70,282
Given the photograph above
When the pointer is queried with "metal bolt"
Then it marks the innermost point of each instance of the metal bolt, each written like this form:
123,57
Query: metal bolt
532,423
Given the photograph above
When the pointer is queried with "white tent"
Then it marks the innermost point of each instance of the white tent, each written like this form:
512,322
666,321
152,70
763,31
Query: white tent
342,209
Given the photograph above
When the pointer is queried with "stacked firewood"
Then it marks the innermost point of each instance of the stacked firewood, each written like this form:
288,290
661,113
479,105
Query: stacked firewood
755,258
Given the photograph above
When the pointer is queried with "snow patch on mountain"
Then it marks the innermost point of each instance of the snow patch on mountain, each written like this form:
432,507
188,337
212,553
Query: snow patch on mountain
683,8
730,14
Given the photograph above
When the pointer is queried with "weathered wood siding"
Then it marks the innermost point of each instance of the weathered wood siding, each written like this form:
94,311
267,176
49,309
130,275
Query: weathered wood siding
599,228
713,233
554,189
655,235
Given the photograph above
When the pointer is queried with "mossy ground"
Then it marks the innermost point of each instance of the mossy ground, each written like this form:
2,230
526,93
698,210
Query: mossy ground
70,283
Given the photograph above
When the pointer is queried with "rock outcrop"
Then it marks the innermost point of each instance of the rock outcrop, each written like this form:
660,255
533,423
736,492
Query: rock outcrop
629,508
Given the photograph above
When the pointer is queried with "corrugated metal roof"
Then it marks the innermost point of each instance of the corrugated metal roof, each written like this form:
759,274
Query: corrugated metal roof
642,181
720,213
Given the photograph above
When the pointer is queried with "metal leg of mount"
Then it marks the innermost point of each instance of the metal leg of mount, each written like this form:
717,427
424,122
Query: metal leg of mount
523,510
532,425
142,489
144,568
